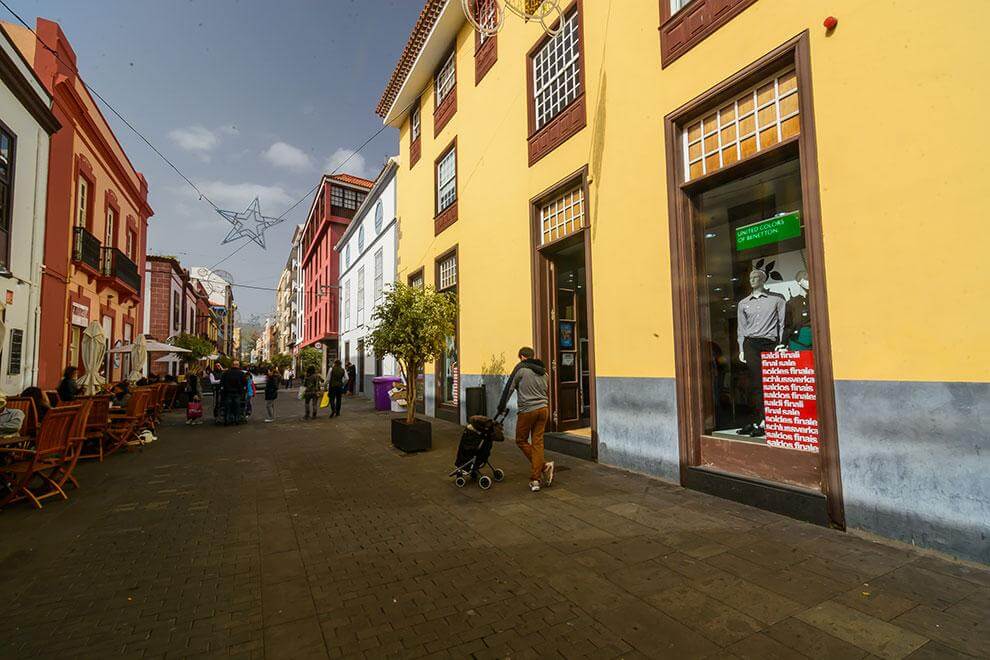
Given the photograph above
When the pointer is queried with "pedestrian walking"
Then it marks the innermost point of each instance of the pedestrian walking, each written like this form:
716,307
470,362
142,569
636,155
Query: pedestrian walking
271,394
314,392
194,398
287,377
68,389
233,387
217,391
335,386
351,378
252,389
529,382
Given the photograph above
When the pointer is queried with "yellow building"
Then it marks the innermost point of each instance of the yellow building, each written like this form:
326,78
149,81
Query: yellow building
747,244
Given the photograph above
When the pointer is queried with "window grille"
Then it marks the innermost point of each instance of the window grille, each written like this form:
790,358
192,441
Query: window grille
762,116
557,72
447,180
360,239
446,78
563,215
415,123
336,196
16,350
448,273
360,296
379,217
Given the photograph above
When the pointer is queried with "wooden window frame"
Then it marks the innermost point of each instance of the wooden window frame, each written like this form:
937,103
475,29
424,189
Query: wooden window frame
689,363
110,204
443,410
485,55
572,118
11,173
448,216
444,110
692,24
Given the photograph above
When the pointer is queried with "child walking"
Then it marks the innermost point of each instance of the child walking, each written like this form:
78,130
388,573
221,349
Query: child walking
271,394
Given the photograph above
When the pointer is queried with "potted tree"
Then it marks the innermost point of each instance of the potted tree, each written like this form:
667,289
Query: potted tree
411,324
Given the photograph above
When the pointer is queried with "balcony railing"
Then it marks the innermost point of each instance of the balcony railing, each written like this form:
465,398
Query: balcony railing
86,248
118,266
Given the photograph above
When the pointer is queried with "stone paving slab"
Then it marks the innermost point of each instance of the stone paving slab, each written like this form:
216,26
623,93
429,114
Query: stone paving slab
316,539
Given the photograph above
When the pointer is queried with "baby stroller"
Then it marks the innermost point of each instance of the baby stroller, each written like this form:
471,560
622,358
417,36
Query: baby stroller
474,450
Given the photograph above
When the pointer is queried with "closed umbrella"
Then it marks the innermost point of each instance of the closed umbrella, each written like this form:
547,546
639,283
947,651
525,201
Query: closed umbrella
94,349
139,355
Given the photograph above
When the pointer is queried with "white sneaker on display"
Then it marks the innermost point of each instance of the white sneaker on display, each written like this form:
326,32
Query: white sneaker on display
534,486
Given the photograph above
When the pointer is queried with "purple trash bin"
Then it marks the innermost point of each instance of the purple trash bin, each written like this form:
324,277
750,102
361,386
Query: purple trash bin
384,384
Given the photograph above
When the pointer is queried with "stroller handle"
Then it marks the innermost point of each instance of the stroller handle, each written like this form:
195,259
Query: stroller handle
500,417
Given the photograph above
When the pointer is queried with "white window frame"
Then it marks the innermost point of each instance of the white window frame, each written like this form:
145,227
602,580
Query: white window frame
557,75
379,273
347,305
446,79
447,187
677,5
565,213
448,273
347,256
379,217
360,296
82,202
361,239
108,231
415,123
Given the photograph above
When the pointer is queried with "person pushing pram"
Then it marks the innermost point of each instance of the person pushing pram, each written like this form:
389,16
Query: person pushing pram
529,381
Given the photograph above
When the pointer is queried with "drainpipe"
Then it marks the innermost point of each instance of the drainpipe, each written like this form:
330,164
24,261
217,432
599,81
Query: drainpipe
34,295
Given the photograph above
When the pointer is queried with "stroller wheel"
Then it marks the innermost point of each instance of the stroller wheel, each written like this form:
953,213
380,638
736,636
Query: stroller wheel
485,482
498,474
460,481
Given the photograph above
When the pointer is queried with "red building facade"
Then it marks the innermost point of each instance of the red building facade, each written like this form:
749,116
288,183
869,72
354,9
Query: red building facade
333,207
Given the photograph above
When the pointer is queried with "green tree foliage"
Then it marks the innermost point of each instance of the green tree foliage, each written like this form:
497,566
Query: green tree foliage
411,324
310,357
281,361
199,348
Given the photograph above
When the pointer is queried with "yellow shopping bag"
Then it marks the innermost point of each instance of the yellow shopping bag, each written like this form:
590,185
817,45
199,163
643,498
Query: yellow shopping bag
325,401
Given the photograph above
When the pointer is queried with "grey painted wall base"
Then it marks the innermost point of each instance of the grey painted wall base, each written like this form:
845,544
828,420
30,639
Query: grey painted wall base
637,425
915,461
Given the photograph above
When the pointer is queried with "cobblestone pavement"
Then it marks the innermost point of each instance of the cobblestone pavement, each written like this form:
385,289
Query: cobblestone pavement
312,539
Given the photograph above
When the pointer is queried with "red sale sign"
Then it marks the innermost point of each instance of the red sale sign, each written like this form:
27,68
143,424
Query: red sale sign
789,400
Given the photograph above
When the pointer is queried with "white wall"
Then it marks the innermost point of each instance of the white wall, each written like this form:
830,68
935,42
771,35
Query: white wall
360,325
27,230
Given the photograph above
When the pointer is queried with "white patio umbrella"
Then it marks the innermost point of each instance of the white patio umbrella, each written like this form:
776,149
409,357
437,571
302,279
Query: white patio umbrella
151,346
94,349
171,358
139,355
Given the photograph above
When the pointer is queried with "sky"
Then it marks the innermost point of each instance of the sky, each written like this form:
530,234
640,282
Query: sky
247,98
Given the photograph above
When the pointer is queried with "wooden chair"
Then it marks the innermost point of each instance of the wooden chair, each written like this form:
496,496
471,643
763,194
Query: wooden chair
30,425
53,397
77,435
170,393
156,405
41,461
124,427
95,434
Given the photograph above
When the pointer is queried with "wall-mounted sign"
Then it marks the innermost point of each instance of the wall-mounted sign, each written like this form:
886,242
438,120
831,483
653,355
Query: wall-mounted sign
80,314
771,230
10,297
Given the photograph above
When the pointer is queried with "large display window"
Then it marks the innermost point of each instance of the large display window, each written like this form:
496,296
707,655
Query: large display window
755,400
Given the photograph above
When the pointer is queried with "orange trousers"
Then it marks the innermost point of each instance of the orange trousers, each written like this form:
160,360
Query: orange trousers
534,423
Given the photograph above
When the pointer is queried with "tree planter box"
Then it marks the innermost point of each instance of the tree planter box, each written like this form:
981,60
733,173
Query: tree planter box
409,438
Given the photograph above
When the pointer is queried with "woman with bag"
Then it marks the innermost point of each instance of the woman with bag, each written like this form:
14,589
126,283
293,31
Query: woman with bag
313,388
194,403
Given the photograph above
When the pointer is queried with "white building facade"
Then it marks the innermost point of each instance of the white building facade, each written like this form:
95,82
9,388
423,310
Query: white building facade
26,124
367,253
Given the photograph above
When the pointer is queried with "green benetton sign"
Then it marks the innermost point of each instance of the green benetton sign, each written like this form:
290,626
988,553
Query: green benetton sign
771,230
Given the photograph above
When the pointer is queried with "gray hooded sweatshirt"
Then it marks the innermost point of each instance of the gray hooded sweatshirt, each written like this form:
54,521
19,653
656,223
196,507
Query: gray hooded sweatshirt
529,381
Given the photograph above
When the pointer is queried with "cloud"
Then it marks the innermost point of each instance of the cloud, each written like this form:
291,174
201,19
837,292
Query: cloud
347,161
237,196
197,139
285,155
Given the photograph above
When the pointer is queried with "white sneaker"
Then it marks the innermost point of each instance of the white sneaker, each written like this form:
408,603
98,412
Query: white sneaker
269,420
548,473
534,486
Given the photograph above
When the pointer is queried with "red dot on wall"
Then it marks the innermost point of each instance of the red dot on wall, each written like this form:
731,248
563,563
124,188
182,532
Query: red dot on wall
830,23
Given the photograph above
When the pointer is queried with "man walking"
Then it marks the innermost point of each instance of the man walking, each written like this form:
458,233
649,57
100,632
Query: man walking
335,386
351,378
271,394
529,381
233,383
313,385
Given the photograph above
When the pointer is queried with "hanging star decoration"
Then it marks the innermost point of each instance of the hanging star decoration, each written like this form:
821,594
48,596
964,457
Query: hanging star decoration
248,224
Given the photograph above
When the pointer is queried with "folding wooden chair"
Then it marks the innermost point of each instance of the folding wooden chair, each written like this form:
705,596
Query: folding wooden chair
171,391
39,462
95,435
26,403
123,427
75,444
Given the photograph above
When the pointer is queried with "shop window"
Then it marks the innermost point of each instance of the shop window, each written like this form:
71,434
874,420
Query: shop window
562,216
759,118
7,143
